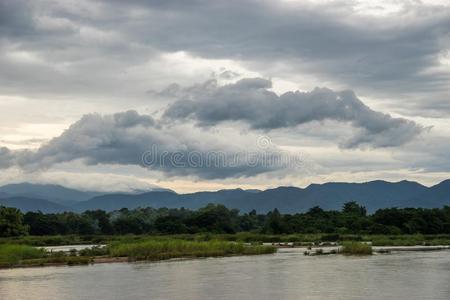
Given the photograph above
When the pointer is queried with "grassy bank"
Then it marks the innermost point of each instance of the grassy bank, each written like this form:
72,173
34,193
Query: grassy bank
149,249
24,255
244,237
160,249
15,254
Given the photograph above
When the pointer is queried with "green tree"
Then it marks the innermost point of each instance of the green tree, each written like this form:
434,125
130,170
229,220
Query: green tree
11,222
45,224
353,208
215,218
101,218
170,225
275,223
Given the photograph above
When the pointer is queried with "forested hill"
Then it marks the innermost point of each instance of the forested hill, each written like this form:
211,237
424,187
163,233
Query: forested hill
330,196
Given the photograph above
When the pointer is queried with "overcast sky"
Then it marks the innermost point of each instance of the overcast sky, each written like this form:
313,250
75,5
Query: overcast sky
121,95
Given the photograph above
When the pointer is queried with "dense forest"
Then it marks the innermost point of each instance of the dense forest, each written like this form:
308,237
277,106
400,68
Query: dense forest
351,219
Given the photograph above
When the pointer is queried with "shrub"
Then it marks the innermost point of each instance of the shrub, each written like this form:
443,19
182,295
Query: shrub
353,248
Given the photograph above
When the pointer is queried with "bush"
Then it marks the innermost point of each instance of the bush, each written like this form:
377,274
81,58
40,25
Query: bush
352,248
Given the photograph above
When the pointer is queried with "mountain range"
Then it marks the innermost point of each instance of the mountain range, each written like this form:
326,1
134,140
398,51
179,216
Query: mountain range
373,195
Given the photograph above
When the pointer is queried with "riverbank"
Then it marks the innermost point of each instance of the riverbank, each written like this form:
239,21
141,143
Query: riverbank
27,256
12,256
327,250
22,256
72,249
314,239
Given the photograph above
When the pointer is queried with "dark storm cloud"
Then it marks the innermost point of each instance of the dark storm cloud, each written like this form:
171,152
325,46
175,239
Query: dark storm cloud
392,53
15,19
129,138
250,101
394,56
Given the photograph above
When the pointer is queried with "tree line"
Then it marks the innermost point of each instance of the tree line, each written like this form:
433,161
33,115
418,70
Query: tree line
216,218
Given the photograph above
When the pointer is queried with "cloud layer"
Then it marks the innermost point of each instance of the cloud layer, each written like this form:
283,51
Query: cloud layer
251,101
61,60
129,138
78,47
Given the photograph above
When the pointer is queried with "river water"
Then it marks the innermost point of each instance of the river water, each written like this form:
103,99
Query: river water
285,275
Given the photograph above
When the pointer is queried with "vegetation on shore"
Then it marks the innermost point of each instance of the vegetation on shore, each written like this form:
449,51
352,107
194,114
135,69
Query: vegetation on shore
356,248
217,219
24,255
214,230
14,254
165,249
243,237
149,249
18,252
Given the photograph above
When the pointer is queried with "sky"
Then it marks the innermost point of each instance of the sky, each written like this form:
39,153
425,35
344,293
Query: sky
205,95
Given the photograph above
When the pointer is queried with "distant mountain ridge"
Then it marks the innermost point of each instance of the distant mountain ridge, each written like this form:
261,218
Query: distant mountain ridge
51,192
32,204
4,195
373,195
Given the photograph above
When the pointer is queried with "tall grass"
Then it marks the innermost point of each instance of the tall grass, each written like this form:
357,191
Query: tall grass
165,249
246,237
409,240
355,248
14,254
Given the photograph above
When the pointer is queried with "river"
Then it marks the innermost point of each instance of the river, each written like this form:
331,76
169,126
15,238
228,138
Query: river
285,275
